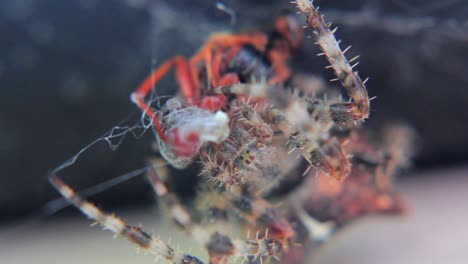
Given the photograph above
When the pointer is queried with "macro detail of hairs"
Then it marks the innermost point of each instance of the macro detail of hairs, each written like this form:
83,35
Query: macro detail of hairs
254,133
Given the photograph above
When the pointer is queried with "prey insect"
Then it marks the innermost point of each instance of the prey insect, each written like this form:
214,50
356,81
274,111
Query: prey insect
236,115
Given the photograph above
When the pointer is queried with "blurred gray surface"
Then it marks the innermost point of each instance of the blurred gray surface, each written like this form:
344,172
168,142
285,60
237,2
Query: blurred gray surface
434,232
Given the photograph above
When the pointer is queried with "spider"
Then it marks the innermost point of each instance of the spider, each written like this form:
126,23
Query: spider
236,116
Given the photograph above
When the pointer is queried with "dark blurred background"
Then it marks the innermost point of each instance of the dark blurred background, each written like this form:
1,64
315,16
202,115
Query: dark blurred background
67,69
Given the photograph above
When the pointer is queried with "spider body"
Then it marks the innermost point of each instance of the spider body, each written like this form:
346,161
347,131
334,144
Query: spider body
225,60
250,135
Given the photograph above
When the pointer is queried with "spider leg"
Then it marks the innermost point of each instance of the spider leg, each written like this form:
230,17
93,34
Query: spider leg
213,50
331,158
116,225
290,35
281,73
220,247
369,187
219,59
219,48
343,112
324,154
185,78
259,212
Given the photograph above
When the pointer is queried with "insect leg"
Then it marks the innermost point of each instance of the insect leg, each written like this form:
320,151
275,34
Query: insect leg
185,79
216,45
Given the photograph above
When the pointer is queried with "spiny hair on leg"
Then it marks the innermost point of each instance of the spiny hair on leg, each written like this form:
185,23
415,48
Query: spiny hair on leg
116,225
354,111
218,245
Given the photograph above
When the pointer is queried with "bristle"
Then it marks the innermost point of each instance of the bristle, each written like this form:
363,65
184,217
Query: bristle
114,224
